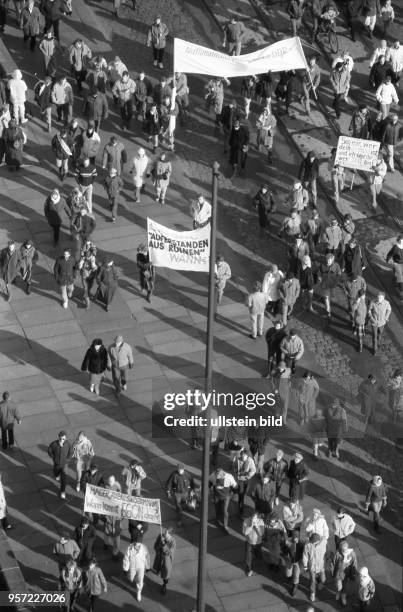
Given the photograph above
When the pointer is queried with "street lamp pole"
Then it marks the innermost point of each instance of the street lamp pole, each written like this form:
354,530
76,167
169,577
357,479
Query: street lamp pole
202,567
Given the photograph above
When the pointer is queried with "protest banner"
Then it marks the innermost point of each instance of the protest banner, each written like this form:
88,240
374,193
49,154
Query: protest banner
178,250
141,509
356,153
283,55
99,500
102,501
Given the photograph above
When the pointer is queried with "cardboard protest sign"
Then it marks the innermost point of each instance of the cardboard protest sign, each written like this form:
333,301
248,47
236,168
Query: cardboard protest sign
99,500
357,153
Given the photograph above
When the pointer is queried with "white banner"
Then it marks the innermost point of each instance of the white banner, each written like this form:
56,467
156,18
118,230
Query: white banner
283,55
99,500
356,153
178,250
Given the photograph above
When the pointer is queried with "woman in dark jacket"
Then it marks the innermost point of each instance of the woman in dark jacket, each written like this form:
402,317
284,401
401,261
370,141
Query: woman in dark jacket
85,535
107,280
298,476
146,269
96,362
165,546
14,140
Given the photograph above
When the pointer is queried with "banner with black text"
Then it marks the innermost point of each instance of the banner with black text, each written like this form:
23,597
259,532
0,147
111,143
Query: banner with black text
169,248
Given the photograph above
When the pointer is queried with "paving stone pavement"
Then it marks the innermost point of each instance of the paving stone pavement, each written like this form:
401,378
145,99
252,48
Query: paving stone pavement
42,347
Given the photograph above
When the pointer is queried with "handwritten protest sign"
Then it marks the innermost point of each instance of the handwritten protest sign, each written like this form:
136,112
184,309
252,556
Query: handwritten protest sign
99,500
179,250
357,153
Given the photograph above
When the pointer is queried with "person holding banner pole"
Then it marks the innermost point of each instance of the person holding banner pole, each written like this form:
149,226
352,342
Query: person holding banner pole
112,523
310,82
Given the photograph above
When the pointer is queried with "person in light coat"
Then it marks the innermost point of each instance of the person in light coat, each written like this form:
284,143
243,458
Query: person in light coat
134,475
379,312
222,275
18,88
289,292
307,393
161,174
375,179
270,286
201,212
83,453
313,560
266,128
394,55
253,528
256,303
343,525
316,523
293,516
139,170
136,562
366,588
386,95
345,569
5,523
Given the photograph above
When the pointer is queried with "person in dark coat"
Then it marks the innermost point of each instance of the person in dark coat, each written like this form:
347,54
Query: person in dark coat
264,204
264,88
60,452
263,494
179,486
96,361
85,535
238,147
137,530
354,258
43,95
94,477
379,71
274,336
258,440
28,257
308,175
392,134
297,476
8,415
96,107
306,282
14,140
287,88
64,272
107,280
9,266
276,469
294,550
228,114
53,13
147,272
165,546
54,209
32,23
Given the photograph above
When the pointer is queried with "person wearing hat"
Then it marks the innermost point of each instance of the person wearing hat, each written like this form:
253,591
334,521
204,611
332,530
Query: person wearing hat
256,304
113,185
313,560
223,485
161,175
281,381
60,452
121,356
253,528
366,588
179,486
157,39
329,277
275,538
276,469
376,500
139,169
336,427
10,263
308,175
298,198
146,270
264,204
298,476
133,475
55,211
114,156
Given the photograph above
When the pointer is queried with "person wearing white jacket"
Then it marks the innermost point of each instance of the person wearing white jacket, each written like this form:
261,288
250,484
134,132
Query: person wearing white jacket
386,95
136,562
139,170
343,525
18,87
394,55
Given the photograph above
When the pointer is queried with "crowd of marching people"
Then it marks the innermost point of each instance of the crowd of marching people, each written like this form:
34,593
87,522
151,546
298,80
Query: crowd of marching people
324,258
